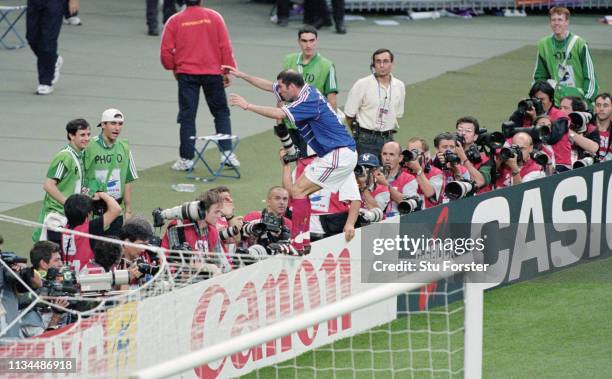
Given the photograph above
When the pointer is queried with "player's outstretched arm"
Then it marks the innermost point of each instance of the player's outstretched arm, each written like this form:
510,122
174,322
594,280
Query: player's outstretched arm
260,83
270,112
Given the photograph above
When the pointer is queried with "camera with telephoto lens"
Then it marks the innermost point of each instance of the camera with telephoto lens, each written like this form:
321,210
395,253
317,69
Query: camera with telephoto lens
459,189
588,160
539,157
410,204
192,211
368,216
147,269
12,258
579,121
408,156
249,229
512,151
293,153
103,282
247,256
281,248
451,157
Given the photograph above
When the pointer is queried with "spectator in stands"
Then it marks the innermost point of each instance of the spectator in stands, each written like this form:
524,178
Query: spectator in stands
451,159
565,61
77,250
374,104
468,129
433,174
194,51
520,168
394,183
603,119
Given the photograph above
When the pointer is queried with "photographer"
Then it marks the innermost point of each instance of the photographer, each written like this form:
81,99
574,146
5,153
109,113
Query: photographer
543,146
583,135
47,261
516,163
228,218
543,91
603,110
138,231
366,171
278,227
79,209
451,159
468,131
433,174
106,258
199,236
11,267
402,176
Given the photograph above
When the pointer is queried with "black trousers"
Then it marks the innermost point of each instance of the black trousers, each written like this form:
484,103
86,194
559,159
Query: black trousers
168,9
282,9
43,25
315,10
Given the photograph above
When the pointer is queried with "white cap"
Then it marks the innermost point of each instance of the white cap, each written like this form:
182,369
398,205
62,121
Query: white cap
111,114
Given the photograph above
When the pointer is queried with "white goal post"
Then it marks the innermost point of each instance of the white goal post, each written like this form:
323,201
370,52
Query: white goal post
473,326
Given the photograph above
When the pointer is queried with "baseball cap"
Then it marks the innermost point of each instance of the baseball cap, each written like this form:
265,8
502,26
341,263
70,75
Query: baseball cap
111,114
367,159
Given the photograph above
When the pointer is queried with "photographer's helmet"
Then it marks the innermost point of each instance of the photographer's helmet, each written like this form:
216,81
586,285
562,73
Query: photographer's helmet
368,160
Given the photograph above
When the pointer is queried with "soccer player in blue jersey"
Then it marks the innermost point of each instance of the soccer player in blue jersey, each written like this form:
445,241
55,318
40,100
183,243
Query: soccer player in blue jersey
325,136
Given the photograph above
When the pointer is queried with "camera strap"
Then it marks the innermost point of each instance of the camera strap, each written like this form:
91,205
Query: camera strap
563,65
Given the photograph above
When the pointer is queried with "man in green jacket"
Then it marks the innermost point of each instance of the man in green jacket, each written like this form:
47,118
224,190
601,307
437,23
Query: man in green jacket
565,61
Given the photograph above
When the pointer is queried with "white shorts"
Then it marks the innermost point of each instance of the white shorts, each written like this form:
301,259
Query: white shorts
334,172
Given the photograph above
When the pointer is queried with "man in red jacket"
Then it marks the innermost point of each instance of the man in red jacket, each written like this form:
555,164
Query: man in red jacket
195,43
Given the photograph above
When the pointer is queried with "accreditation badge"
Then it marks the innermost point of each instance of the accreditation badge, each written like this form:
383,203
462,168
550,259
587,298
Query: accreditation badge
566,75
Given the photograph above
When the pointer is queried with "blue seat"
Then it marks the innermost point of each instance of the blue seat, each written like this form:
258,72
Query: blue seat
225,155
6,13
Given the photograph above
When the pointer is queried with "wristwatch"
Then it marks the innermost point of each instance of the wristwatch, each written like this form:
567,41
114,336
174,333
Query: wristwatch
418,172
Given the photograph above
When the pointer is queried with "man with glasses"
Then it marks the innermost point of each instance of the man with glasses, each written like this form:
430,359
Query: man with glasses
109,164
374,104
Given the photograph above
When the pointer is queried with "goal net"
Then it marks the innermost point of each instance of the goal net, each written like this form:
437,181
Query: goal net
282,317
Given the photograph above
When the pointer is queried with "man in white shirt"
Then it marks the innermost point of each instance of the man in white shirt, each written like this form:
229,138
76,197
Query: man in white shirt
374,104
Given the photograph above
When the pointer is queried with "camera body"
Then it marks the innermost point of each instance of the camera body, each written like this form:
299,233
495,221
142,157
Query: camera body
512,151
451,157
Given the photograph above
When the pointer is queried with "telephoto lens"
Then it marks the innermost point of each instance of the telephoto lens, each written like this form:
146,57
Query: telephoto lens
459,189
293,152
368,216
410,204
584,162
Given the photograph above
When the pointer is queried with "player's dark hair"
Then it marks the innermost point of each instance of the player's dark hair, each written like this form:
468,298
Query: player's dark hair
308,29
469,120
42,251
381,51
73,126
443,137
76,209
291,77
542,86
